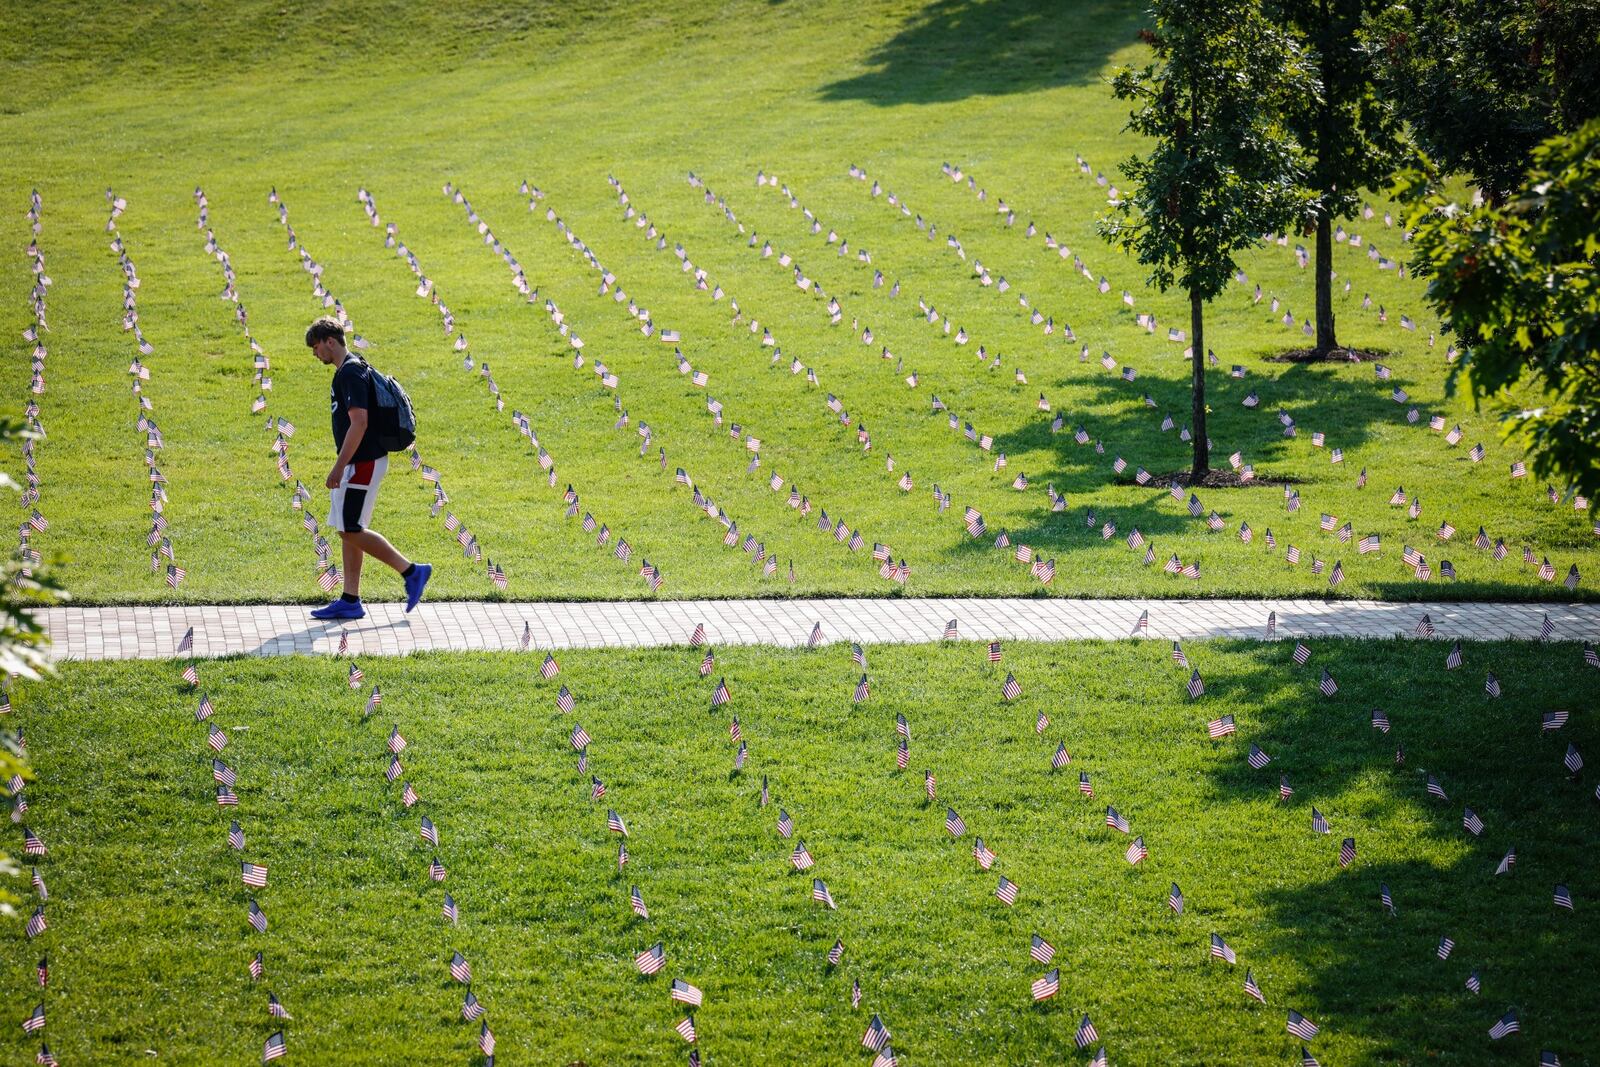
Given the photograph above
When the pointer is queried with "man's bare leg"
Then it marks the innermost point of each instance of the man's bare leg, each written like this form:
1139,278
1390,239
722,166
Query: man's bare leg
369,543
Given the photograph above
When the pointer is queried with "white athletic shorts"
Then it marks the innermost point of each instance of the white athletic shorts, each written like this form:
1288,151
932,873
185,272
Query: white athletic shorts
350,510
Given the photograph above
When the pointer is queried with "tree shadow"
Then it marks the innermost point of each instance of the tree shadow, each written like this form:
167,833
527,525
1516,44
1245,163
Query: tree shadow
956,49
1361,970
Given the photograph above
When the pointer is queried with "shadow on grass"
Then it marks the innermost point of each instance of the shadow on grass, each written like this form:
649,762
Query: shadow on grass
955,49
1378,975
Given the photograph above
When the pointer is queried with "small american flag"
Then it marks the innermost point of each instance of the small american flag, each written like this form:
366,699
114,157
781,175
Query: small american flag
276,1048
953,823
565,701
1251,989
1380,720
1116,820
836,953
1258,759
720,695
1006,891
614,822
257,917
1041,950
471,1007
549,668
1048,986
1347,852
1301,1027
253,875
684,993
1196,688
1086,1034
1220,950
257,966
862,690
1435,789
1012,689
994,651
1505,1026
1136,853
1563,897
1446,946
876,1036
579,738
1384,898
1061,757
1491,685
36,922
1328,686
1573,761
820,894
651,959
355,676
1220,728
1083,784
235,836
785,823
1301,653
930,784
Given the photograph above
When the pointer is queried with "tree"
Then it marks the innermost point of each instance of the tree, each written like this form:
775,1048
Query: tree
1220,170
1520,285
1349,130
1481,82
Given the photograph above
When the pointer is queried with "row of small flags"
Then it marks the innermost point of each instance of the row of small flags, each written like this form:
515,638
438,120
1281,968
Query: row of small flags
33,845
38,302
281,429
163,556
472,1008
470,547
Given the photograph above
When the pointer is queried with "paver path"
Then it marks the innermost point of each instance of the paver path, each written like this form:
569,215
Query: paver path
276,630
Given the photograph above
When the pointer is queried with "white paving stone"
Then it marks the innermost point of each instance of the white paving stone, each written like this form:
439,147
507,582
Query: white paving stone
153,632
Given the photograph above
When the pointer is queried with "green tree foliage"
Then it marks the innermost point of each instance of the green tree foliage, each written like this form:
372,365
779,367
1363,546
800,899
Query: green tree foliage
1349,131
1221,169
1481,82
1520,285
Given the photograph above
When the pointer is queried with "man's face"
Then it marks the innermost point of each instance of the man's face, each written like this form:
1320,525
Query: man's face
324,350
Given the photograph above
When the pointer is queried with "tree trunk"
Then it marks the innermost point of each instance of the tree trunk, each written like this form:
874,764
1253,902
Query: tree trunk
1326,342
1202,447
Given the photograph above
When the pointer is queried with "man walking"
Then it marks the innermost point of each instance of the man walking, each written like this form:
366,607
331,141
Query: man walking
356,475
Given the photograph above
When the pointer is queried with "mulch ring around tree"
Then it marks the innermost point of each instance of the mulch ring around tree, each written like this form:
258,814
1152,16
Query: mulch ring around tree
1334,355
1219,479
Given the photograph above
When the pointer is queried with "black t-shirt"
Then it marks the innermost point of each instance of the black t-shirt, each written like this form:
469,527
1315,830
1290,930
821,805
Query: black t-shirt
352,388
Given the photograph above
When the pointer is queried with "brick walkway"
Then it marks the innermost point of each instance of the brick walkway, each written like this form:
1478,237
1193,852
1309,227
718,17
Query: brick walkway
277,630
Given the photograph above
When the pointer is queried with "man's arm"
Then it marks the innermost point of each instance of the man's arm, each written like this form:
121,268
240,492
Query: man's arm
347,451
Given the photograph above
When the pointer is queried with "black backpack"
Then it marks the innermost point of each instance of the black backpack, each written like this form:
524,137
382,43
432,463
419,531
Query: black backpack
393,422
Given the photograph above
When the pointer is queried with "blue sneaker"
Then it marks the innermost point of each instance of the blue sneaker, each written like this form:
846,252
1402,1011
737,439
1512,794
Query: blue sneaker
417,583
340,609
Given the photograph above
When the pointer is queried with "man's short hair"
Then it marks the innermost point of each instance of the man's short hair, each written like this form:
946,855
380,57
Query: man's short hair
322,329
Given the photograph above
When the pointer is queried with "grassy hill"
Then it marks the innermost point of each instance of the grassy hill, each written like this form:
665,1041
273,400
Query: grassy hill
321,102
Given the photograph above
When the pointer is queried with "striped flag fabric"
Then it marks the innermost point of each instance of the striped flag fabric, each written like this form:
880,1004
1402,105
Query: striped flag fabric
579,738
1011,689
1006,891
1251,989
1300,1026
863,690
954,825
1048,986
1220,950
1347,852
253,875
836,953
1196,688
1327,686
1385,898
1572,760
650,960
820,894
1175,899
1220,728
1257,758
1083,784
876,1036
1086,1034
1136,853
275,1049
1319,823
1446,946
1041,950
685,1029
1563,897
614,822
684,993
1505,1026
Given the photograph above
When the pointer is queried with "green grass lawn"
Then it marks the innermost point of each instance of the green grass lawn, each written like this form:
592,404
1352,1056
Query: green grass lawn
148,940
320,103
